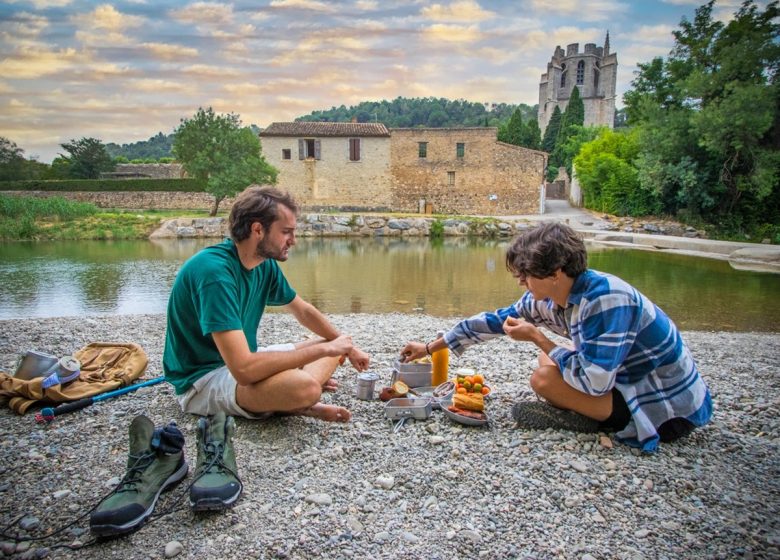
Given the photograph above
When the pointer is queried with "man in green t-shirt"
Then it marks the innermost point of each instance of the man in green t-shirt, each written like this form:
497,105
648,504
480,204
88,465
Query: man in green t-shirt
211,353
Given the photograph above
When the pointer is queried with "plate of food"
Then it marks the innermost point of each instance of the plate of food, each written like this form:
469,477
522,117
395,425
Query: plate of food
467,409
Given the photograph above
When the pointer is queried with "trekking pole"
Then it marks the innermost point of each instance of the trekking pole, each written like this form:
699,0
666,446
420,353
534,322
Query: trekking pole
48,414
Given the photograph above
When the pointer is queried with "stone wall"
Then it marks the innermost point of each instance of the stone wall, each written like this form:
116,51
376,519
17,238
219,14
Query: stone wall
491,178
151,170
333,181
135,200
334,225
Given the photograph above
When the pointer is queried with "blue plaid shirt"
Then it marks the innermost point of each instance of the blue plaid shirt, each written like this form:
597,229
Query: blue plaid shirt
621,339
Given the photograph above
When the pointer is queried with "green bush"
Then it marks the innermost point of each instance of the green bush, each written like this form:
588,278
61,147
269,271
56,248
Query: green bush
437,229
24,207
107,185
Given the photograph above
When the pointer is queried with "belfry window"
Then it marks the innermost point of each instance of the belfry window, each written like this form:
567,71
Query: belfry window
581,72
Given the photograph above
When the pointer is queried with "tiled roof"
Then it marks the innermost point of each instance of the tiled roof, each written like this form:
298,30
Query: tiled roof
325,129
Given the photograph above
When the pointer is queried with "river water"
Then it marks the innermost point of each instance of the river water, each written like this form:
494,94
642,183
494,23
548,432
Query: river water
449,278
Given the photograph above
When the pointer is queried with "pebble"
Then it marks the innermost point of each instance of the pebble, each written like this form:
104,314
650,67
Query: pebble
356,490
386,482
173,548
28,523
319,499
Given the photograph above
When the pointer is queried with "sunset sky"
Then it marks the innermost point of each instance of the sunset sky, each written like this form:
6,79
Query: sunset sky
125,70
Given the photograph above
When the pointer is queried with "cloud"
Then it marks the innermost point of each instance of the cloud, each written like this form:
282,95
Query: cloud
366,5
314,5
107,17
648,34
28,63
207,71
102,38
23,26
167,51
204,13
441,32
586,10
43,4
462,10
156,86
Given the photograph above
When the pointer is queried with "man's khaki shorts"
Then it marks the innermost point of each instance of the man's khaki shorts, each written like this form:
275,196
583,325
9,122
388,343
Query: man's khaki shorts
216,391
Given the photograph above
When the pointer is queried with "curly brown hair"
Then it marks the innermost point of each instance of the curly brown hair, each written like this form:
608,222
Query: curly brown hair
545,248
257,204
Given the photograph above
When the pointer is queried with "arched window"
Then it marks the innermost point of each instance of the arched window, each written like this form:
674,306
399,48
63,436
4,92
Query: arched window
581,72
563,75
596,79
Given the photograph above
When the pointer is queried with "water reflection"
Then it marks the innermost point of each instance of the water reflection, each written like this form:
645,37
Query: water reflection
454,277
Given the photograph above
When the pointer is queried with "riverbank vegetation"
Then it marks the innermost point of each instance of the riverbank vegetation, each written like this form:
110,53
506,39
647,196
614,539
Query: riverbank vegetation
56,218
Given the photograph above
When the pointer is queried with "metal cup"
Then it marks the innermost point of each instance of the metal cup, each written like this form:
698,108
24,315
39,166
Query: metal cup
366,383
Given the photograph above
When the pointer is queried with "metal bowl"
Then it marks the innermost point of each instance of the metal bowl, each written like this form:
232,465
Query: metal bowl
465,420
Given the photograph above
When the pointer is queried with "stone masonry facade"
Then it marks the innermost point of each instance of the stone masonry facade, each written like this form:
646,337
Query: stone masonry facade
331,165
593,71
463,171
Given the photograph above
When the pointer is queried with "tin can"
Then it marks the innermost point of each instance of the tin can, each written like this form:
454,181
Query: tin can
366,383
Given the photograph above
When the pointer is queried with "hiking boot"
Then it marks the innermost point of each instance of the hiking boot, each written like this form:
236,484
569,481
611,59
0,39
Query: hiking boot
534,415
152,467
216,485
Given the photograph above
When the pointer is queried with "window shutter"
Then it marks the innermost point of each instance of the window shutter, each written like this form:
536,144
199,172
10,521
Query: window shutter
316,149
301,149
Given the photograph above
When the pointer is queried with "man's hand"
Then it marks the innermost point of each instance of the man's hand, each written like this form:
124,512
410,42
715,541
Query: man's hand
521,330
413,351
358,359
340,346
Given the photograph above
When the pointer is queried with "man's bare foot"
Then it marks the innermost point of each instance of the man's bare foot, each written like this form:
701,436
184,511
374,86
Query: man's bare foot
327,412
331,385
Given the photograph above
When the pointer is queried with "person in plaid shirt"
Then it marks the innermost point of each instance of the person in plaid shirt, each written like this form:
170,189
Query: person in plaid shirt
626,367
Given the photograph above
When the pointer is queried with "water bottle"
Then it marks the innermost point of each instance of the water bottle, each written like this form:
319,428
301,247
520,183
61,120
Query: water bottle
441,363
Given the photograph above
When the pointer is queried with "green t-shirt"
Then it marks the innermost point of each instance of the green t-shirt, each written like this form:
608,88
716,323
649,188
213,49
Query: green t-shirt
213,292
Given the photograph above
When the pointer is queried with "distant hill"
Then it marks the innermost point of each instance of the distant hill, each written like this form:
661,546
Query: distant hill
158,146
430,112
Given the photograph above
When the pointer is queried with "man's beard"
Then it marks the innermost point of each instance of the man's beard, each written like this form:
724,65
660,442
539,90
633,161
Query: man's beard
265,251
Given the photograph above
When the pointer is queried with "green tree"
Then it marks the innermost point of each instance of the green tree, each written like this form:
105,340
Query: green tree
552,130
87,158
514,130
710,119
607,172
571,122
12,162
218,149
532,136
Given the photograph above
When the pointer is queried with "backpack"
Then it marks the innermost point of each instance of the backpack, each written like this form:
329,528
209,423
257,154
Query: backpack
105,366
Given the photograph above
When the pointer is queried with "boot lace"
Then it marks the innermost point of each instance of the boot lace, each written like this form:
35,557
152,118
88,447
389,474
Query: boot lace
214,453
134,473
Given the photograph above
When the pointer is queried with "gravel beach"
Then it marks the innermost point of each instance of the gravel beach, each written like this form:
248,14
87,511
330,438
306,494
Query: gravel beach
433,490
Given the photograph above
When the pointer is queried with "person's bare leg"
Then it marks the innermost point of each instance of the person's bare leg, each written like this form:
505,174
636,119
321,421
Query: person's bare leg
330,385
295,391
547,382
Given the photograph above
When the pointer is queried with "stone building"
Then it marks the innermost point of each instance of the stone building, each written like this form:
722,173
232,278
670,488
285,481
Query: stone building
593,71
463,171
325,164
363,166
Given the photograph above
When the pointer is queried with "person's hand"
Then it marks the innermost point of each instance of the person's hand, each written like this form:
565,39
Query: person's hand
340,346
413,351
518,329
358,359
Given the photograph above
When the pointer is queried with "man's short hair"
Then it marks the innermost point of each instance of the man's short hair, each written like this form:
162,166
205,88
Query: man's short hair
545,248
257,204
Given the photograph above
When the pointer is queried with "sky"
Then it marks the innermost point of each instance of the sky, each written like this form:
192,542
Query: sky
125,70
